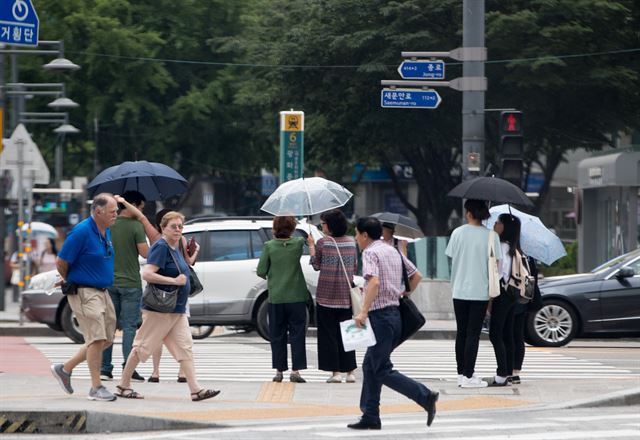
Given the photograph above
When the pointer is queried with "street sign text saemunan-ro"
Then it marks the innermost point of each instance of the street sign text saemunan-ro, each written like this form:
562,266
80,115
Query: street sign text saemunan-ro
409,98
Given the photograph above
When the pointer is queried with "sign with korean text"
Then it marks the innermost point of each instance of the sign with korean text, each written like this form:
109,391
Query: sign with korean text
18,23
409,98
421,69
291,145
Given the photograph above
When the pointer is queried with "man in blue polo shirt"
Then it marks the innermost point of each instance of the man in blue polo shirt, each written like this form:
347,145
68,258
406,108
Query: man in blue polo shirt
85,263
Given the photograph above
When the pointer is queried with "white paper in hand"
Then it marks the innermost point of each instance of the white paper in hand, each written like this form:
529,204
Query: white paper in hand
354,337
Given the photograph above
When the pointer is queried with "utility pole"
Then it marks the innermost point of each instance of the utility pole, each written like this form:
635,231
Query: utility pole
472,100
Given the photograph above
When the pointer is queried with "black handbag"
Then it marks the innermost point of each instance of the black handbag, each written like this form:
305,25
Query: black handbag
158,300
194,283
412,319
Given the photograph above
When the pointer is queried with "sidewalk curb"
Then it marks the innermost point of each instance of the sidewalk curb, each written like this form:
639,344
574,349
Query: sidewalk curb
616,398
78,422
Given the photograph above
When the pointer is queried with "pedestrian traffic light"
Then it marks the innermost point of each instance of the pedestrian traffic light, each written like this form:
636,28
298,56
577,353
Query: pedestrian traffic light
512,146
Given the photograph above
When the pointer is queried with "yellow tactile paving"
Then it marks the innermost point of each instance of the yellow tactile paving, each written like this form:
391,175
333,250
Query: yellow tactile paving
274,392
294,410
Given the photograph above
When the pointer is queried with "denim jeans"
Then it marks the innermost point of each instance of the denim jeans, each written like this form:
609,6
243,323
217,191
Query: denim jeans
378,369
126,301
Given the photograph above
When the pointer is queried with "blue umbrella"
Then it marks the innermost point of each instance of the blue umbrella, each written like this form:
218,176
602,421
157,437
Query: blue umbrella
156,181
536,240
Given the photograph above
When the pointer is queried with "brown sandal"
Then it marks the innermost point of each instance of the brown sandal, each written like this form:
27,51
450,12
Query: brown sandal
204,394
127,393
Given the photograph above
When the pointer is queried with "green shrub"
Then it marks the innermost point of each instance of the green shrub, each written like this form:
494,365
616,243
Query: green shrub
566,265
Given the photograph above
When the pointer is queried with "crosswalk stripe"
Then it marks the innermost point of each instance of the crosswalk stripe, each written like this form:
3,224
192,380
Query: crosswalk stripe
227,359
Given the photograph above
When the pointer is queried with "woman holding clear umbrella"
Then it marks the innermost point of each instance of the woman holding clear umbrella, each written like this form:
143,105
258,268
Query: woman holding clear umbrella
336,257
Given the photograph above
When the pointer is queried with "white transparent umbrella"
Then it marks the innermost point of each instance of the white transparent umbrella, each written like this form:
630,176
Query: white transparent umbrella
40,228
536,240
306,196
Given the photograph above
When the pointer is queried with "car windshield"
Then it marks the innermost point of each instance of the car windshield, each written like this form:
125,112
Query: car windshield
615,261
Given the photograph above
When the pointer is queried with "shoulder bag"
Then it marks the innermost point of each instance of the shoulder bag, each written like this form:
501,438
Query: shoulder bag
357,298
494,274
411,318
158,300
194,282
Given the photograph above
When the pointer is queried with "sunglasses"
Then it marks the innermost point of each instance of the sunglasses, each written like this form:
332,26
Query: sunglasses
176,227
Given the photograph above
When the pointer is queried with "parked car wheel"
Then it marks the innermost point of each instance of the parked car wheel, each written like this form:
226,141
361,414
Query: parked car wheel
262,320
202,331
554,325
70,326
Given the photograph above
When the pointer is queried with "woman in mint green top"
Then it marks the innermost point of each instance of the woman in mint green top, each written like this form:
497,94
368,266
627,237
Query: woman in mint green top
280,265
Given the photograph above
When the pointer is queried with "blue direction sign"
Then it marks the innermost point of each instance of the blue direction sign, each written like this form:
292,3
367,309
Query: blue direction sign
421,69
18,23
409,98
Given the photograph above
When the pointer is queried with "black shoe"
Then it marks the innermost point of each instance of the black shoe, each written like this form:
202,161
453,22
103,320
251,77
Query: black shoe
492,382
136,377
153,379
515,380
363,424
182,379
296,378
278,377
106,376
430,406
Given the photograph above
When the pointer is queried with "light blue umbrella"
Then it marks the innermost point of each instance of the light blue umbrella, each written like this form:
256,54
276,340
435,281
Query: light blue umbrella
536,240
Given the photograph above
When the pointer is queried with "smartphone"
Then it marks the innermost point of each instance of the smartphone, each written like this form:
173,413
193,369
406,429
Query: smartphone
191,246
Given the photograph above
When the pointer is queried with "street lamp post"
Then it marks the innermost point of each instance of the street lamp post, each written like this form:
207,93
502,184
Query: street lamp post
60,64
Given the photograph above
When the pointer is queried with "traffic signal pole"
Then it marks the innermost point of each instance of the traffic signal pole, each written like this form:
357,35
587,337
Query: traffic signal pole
472,100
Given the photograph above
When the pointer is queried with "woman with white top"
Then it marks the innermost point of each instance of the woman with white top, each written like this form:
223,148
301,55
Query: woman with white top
501,330
468,249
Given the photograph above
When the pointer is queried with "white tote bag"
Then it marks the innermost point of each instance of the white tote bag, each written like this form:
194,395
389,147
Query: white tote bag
357,297
494,274
354,337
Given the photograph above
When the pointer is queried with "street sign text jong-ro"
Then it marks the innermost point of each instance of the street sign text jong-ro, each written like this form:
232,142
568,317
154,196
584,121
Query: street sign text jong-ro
421,69
18,23
409,98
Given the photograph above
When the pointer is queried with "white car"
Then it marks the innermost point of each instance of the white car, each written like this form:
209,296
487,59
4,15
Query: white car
233,293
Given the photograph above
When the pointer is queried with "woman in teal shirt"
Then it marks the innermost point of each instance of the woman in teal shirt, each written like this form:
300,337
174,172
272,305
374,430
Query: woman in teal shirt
280,265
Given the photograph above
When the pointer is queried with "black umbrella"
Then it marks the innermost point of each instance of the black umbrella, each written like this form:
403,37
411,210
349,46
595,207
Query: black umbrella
156,181
491,189
404,226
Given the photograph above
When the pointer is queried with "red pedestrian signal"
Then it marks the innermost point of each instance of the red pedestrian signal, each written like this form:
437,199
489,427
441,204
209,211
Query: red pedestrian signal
511,122
512,146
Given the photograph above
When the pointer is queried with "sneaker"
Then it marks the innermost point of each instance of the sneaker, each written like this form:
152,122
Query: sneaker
278,377
106,376
473,382
296,378
460,376
64,378
101,394
514,380
336,378
136,377
351,378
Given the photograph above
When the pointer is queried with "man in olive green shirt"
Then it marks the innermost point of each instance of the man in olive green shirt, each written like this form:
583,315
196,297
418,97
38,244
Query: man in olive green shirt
129,241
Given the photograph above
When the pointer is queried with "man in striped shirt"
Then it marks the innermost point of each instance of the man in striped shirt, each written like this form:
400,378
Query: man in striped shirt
382,270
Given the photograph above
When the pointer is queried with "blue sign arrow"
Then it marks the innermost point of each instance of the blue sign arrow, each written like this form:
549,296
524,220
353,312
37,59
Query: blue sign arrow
421,69
409,98
18,23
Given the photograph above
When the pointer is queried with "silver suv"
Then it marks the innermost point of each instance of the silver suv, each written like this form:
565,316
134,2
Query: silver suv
233,294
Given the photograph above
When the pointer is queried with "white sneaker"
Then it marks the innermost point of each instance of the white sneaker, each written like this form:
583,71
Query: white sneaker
460,376
473,382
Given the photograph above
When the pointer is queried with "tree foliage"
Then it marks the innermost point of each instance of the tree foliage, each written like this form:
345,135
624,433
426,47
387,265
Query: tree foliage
198,84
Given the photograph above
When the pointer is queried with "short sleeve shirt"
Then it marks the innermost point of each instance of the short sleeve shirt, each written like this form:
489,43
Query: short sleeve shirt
126,234
89,255
468,249
163,256
385,262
